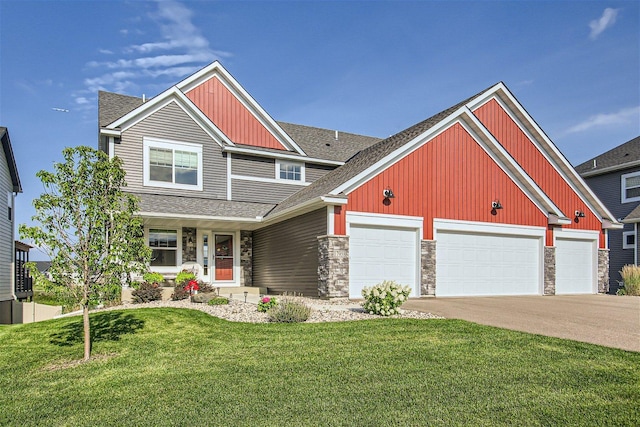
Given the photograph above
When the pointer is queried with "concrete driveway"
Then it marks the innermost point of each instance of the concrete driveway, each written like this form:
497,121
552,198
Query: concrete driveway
608,320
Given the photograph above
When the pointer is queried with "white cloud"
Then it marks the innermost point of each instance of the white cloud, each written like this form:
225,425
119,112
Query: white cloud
607,20
105,51
181,50
624,116
81,100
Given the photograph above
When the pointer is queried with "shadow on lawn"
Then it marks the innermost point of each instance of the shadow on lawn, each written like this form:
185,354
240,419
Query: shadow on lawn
107,326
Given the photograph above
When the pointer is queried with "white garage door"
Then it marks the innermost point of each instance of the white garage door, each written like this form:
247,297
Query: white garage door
575,266
379,253
473,264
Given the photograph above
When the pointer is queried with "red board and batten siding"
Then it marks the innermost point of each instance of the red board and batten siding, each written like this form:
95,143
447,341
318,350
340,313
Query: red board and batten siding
218,103
520,147
449,177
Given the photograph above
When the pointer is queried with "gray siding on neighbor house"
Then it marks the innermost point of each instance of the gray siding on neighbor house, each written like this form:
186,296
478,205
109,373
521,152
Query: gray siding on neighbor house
6,231
608,189
285,255
261,192
314,172
260,167
172,123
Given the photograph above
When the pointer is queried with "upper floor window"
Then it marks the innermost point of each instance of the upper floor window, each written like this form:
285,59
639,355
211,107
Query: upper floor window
630,187
628,240
292,171
172,164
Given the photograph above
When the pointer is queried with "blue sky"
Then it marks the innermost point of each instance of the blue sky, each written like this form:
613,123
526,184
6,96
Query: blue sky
365,67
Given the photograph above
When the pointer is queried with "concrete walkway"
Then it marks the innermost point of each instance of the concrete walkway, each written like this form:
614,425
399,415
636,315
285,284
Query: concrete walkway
607,320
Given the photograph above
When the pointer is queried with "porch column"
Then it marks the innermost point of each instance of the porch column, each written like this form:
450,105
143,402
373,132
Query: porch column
246,258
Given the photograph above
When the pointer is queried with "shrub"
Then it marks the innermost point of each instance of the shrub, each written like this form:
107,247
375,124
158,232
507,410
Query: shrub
266,303
184,277
179,293
152,278
385,298
147,292
218,301
205,287
289,311
631,279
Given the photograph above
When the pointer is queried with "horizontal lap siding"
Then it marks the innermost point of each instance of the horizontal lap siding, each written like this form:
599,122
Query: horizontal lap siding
608,189
450,177
285,255
314,172
230,115
261,192
253,166
172,123
523,150
6,235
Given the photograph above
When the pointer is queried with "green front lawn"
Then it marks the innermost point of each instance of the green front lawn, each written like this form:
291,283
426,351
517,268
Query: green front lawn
181,367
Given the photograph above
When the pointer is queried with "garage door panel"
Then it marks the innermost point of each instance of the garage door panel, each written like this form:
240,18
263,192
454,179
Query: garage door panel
379,253
575,267
475,264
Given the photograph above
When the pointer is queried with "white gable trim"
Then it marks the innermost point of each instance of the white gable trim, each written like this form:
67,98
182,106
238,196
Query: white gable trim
275,155
217,70
514,171
548,149
161,101
396,155
483,138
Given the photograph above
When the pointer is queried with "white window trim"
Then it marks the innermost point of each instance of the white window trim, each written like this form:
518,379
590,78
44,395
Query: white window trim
280,162
149,143
168,269
623,187
626,245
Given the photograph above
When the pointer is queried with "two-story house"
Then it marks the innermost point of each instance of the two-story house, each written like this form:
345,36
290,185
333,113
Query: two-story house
9,186
614,177
475,200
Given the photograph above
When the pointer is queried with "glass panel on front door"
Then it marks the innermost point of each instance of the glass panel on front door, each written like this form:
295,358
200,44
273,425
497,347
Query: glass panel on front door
223,257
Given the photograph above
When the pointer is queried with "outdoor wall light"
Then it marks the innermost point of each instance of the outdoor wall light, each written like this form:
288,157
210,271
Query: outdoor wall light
496,204
388,193
579,214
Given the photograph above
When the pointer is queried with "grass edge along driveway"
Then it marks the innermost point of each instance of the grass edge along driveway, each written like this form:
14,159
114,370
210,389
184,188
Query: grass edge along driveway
183,367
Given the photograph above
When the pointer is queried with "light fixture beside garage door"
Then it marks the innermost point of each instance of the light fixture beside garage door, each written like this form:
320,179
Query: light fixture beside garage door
495,205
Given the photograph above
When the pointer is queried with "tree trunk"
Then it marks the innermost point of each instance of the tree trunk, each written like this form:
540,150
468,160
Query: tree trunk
87,332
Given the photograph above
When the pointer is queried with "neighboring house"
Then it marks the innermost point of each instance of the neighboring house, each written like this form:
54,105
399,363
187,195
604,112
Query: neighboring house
614,177
9,186
475,200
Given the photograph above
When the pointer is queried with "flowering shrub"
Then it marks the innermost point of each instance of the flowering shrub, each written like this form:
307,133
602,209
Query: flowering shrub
385,298
192,286
266,303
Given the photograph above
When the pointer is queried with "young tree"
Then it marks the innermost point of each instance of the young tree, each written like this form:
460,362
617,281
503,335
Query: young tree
88,228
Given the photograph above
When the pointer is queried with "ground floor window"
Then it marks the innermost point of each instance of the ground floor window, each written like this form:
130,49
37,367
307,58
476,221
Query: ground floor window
164,247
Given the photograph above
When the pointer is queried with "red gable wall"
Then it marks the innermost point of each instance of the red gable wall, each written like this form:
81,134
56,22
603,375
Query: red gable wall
230,116
507,132
450,177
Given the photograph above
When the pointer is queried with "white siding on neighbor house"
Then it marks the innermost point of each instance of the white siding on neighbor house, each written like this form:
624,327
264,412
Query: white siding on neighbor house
172,123
6,231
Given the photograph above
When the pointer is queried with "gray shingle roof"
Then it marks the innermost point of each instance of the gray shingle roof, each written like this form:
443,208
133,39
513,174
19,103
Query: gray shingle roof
322,144
171,205
619,156
634,216
112,106
11,161
364,159
315,142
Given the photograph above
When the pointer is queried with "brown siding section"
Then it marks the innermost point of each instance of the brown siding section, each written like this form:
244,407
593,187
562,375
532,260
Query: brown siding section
172,123
285,255
261,192
253,166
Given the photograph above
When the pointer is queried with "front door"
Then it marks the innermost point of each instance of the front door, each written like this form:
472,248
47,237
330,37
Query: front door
217,256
